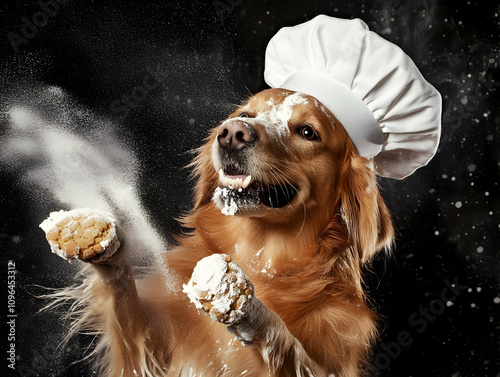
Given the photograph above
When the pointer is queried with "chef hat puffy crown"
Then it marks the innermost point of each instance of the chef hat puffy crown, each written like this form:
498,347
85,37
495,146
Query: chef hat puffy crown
391,113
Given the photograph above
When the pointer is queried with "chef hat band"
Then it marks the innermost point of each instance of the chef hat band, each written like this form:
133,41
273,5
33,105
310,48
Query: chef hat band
363,129
391,113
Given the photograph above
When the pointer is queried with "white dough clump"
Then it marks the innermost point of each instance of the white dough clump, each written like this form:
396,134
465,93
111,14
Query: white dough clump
220,288
83,233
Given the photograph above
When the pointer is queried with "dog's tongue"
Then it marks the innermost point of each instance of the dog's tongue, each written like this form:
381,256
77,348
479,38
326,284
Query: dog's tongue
234,181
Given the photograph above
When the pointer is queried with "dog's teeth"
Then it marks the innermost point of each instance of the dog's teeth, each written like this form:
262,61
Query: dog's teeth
246,182
235,183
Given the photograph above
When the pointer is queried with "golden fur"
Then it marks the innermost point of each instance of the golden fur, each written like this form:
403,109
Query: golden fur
304,259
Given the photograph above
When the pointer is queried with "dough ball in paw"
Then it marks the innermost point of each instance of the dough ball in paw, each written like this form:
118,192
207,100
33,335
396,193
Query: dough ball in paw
220,288
83,233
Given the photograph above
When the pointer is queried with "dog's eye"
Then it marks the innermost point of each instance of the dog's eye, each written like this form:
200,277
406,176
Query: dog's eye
308,133
243,115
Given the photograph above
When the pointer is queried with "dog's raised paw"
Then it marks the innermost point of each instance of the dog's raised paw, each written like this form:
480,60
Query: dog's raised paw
220,288
83,233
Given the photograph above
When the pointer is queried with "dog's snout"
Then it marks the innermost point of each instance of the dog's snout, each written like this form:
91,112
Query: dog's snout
235,135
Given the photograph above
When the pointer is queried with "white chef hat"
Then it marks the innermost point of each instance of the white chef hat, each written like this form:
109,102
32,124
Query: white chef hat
391,113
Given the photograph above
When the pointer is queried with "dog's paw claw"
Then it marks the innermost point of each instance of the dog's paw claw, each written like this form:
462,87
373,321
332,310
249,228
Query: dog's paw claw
86,234
220,288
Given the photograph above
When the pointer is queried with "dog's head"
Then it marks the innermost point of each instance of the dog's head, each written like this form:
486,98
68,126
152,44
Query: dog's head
283,158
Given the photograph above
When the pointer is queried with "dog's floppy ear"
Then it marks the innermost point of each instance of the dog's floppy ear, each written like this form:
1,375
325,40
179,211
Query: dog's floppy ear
363,210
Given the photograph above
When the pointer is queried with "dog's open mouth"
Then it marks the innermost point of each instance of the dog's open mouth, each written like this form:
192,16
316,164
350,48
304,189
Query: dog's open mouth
240,192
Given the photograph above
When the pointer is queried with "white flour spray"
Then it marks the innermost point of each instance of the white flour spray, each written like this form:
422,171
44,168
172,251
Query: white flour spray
68,157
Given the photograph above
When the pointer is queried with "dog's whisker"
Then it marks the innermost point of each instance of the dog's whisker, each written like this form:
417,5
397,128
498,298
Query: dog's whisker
286,189
303,222
281,173
282,178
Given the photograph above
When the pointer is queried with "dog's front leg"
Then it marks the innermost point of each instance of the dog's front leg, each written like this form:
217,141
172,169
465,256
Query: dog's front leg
220,288
106,303
281,351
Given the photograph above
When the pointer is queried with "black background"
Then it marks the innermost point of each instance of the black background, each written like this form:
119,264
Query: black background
211,54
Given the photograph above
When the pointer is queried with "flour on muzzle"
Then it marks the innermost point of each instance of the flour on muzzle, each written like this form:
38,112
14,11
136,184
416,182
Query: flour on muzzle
232,201
235,201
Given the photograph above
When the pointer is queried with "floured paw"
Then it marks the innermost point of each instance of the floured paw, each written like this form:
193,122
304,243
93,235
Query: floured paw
220,288
83,233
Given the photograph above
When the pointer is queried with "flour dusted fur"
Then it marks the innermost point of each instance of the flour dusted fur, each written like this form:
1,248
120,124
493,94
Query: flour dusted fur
94,309
309,316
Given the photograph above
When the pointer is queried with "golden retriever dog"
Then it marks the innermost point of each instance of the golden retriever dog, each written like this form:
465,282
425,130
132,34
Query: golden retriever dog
294,212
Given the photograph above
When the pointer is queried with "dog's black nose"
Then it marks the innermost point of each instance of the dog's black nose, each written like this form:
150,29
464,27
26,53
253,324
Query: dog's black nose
234,135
